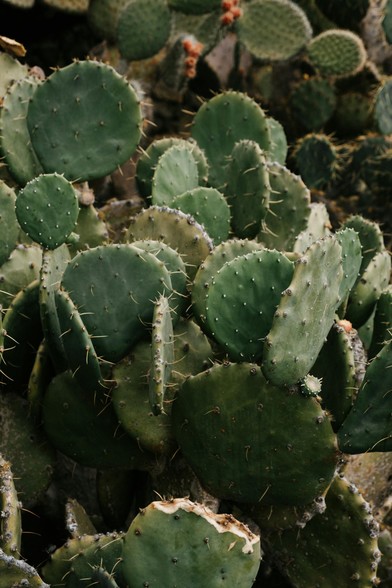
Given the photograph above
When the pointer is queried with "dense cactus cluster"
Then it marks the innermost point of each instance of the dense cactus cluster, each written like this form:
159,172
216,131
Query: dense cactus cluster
196,376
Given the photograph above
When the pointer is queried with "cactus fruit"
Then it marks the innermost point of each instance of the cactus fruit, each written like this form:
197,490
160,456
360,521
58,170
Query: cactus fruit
222,548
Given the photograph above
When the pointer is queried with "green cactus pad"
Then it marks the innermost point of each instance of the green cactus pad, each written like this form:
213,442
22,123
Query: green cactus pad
192,352
284,25
337,52
90,229
10,513
11,70
54,263
18,573
313,103
382,108
242,299
162,354
382,325
82,554
79,351
84,121
102,17
387,20
198,548
131,402
368,424
23,334
178,230
221,254
307,309
370,236
176,172
40,376
143,27
365,293
248,188
279,147
195,6
318,227
351,259
15,143
47,209
240,435
88,431
114,286
176,268
21,268
315,158
148,160
339,545
209,208
25,446
77,521
9,228
221,122
335,365
289,208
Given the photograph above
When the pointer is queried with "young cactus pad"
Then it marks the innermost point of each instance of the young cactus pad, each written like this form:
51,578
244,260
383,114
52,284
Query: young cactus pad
242,299
252,442
197,548
47,209
84,121
307,309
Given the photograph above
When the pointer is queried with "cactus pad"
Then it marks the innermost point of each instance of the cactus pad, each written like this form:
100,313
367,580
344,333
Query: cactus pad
47,209
84,121
199,548
239,434
337,52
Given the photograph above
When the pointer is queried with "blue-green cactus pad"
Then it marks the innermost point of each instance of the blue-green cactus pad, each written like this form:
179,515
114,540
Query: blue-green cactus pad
242,299
273,29
337,547
47,209
175,228
15,142
382,108
21,268
130,397
84,121
288,211
146,164
86,429
250,441
79,350
114,288
176,172
143,27
9,228
222,253
305,314
247,189
209,208
368,424
197,548
221,122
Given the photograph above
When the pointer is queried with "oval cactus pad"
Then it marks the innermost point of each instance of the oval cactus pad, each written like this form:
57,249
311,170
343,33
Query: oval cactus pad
114,288
47,209
84,121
